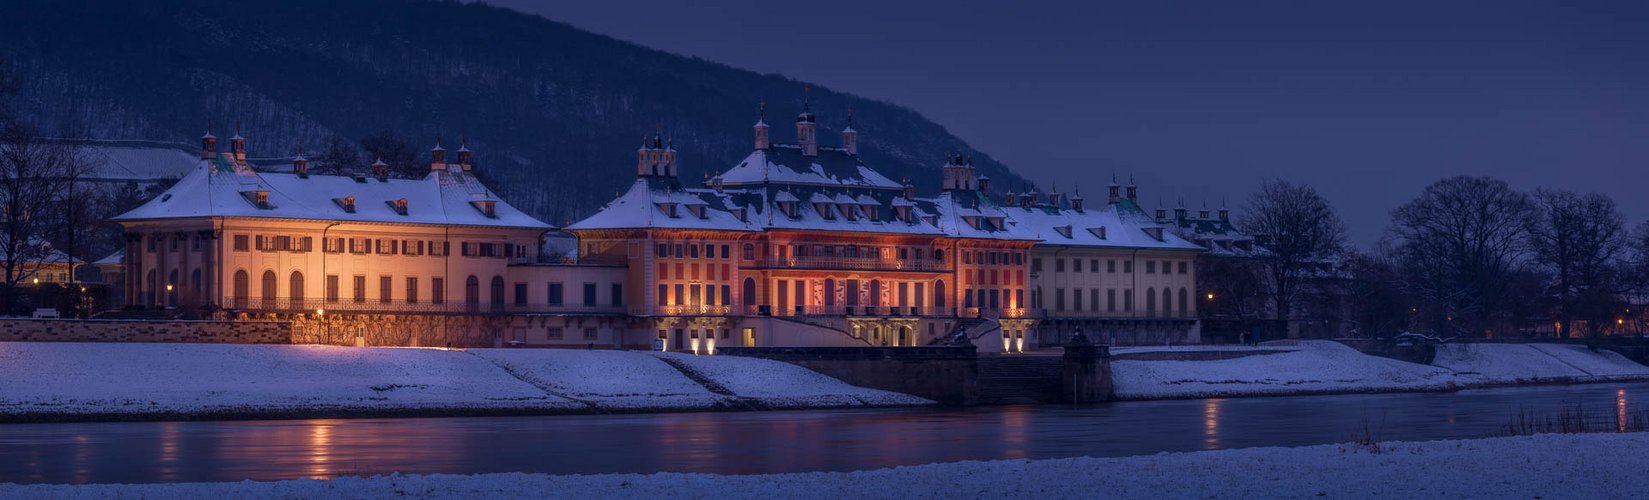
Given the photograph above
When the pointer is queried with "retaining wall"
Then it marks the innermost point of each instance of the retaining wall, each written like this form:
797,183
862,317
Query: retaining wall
946,374
100,330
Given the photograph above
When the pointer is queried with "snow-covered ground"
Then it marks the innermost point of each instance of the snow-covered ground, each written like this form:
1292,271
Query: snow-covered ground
1514,363
1201,348
1314,367
782,385
45,378
609,379
1544,466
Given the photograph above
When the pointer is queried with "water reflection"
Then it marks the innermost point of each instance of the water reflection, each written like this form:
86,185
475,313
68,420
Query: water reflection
1620,410
1211,424
754,442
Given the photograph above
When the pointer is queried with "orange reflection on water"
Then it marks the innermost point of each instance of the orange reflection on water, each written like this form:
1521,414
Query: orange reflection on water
1211,424
169,435
1015,440
320,451
1620,410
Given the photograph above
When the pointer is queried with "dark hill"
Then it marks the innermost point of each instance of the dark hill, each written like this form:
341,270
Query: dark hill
555,113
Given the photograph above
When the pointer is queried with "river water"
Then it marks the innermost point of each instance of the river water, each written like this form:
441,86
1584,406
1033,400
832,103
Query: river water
760,442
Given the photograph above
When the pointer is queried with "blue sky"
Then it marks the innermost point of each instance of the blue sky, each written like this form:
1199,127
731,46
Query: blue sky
1369,102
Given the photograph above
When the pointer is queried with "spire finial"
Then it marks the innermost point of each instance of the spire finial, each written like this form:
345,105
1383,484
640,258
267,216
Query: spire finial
805,96
761,109
849,116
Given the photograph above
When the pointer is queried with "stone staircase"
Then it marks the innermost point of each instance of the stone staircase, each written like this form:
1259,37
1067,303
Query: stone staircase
1020,379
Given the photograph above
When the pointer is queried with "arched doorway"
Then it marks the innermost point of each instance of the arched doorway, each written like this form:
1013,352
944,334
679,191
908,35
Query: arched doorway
472,293
269,288
243,288
296,289
497,297
750,291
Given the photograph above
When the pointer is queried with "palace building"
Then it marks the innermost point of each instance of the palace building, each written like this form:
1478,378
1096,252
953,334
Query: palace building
794,245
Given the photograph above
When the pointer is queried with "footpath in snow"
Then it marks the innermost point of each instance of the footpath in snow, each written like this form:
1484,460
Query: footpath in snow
1543,466
95,381
1322,367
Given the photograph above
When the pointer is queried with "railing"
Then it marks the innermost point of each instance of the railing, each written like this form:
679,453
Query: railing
346,305
1121,315
853,263
681,310
587,260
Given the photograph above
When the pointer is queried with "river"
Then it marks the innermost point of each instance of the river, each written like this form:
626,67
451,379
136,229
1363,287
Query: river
759,442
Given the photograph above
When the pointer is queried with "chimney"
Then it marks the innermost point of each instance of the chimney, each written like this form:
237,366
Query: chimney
437,156
1225,213
300,165
910,190
1203,214
1076,203
1133,190
1115,191
381,169
761,127
237,145
1010,199
1162,214
1053,199
208,145
1180,213
465,156
850,137
805,126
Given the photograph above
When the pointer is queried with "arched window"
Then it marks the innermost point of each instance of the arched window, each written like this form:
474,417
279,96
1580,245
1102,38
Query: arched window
939,293
749,289
171,295
296,290
497,291
1184,304
243,287
1150,300
472,292
749,251
269,290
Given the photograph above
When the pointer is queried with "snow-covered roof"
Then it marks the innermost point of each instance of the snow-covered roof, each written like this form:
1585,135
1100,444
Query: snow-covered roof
640,208
785,164
222,187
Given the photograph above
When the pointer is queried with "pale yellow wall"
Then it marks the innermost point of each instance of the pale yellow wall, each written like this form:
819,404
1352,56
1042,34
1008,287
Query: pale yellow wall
1060,271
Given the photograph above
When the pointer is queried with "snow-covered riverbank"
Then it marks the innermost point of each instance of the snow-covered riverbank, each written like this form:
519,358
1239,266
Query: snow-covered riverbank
1544,466
91,381
1326,367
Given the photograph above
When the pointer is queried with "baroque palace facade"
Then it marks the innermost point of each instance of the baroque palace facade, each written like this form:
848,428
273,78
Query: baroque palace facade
795,245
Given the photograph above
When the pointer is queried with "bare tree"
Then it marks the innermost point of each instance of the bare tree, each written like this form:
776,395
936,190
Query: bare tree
395,151
1577,239
1298,232
1461,244
35,178
339,157
1379,307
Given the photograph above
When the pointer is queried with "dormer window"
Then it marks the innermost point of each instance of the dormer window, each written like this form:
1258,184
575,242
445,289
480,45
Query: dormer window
347,203
698,211
997,223
740,213
488,208
258,198
932,220
972,220
825,211
903,213
1063,231
1098,232
1154,232
669,209
848,212
399,206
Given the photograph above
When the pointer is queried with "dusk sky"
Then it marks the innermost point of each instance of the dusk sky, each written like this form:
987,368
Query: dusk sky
1203,100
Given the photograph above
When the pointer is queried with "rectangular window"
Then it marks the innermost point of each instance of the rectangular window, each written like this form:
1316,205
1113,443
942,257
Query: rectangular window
679,251
589,294
727,295
663,294
1111,299
693,251
360,288
240,243
386,289
1059,299
520,294
437,290
331,288
725,251
589,333
1076,265
552,333
1036,265
412,290
1128,300
1127,267
1059,265
618,295
1111,266
1093,299
1182,267
1076,298
555,294
709,251
1150,267
681,294
1093,265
